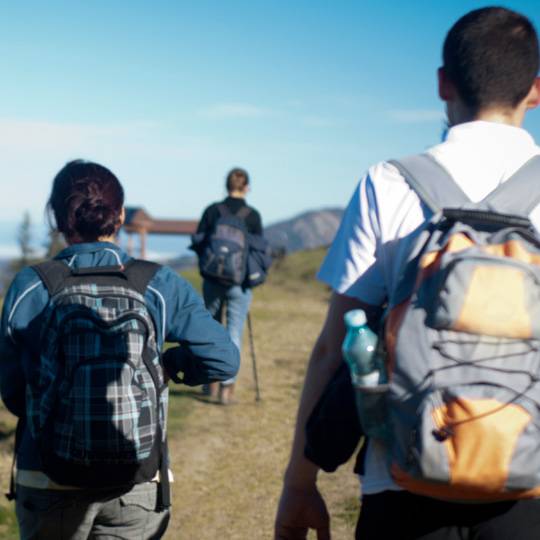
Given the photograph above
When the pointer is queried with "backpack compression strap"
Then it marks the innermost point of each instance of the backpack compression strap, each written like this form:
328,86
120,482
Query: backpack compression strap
520,194
431,182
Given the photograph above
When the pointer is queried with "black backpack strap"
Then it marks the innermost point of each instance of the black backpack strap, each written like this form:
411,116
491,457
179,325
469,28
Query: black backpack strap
244,212
53,274
139,273
19,430
164,493
223,210
431,182
520,194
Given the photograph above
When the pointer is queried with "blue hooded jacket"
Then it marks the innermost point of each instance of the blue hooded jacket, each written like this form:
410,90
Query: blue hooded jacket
204,353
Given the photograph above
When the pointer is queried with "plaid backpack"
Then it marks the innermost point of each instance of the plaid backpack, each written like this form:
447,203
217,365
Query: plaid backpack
96,402
463,341
224,255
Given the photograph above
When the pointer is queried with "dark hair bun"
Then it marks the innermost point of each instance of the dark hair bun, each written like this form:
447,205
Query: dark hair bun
87,201
93,215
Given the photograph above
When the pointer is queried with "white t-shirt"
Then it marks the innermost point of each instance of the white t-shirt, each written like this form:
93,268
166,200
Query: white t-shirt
366,256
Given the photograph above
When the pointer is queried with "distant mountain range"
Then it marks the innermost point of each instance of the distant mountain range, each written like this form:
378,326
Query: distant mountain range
308,230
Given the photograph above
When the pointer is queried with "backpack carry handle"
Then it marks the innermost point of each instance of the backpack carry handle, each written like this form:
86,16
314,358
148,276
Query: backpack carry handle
483,217
100,271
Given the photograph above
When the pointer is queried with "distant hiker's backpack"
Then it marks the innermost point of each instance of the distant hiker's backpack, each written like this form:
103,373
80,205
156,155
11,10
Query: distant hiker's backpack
96,400
259,260
223,257
463,340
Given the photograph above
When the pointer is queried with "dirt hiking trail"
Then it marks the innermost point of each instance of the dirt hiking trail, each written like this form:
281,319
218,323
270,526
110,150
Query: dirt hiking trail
228,462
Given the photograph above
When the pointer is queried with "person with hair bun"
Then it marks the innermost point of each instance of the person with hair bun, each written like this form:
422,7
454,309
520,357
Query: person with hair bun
116,487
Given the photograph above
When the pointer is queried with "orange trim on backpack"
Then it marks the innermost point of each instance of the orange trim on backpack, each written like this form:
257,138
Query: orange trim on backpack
513,249
393,324
495,304
483,440
452,493
485,434
431,262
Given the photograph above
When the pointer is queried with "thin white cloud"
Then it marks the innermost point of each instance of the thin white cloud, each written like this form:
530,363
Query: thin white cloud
416,116
33,151
227,111
314,121
34,135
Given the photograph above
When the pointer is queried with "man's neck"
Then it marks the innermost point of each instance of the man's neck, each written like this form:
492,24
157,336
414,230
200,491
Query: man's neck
459,114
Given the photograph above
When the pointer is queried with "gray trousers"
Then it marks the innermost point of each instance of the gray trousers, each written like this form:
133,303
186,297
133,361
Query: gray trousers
46,514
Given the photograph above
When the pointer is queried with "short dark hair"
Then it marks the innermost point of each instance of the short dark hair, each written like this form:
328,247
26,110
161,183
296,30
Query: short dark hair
491,56
86,201
237,179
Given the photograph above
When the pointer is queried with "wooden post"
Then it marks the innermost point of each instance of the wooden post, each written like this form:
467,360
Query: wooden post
142,236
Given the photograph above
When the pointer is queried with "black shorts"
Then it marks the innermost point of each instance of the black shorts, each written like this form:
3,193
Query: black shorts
399,515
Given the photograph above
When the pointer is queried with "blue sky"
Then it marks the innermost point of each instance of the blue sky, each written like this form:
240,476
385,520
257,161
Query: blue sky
170,95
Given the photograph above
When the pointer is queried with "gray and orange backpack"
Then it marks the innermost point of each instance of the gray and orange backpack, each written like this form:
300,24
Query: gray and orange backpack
463,342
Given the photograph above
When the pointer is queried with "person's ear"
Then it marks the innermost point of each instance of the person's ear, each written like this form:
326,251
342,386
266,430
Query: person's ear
447,90
121,219
533,97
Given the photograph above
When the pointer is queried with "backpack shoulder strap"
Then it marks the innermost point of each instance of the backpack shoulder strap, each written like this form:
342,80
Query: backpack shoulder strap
223,210
53,274
139,273
520,194
244,212
431,182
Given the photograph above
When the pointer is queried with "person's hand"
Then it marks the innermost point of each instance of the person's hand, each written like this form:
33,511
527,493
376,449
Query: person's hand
299,510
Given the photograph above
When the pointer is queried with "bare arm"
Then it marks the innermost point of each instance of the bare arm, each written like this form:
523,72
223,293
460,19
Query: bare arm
299,488
325,359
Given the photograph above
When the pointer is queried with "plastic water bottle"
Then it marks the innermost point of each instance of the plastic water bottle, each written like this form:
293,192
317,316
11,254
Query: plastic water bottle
368,373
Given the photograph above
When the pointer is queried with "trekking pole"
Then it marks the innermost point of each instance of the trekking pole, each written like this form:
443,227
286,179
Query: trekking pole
254,359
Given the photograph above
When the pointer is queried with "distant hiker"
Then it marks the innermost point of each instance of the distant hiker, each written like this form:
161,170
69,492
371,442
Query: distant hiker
232,260
489,80
82,369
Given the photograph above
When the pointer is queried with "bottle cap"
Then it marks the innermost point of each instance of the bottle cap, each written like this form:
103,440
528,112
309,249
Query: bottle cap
355,318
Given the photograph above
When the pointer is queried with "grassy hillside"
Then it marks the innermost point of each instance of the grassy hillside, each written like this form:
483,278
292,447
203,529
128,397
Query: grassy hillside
228,462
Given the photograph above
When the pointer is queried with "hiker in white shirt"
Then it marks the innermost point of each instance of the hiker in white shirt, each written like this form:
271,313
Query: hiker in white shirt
488,81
